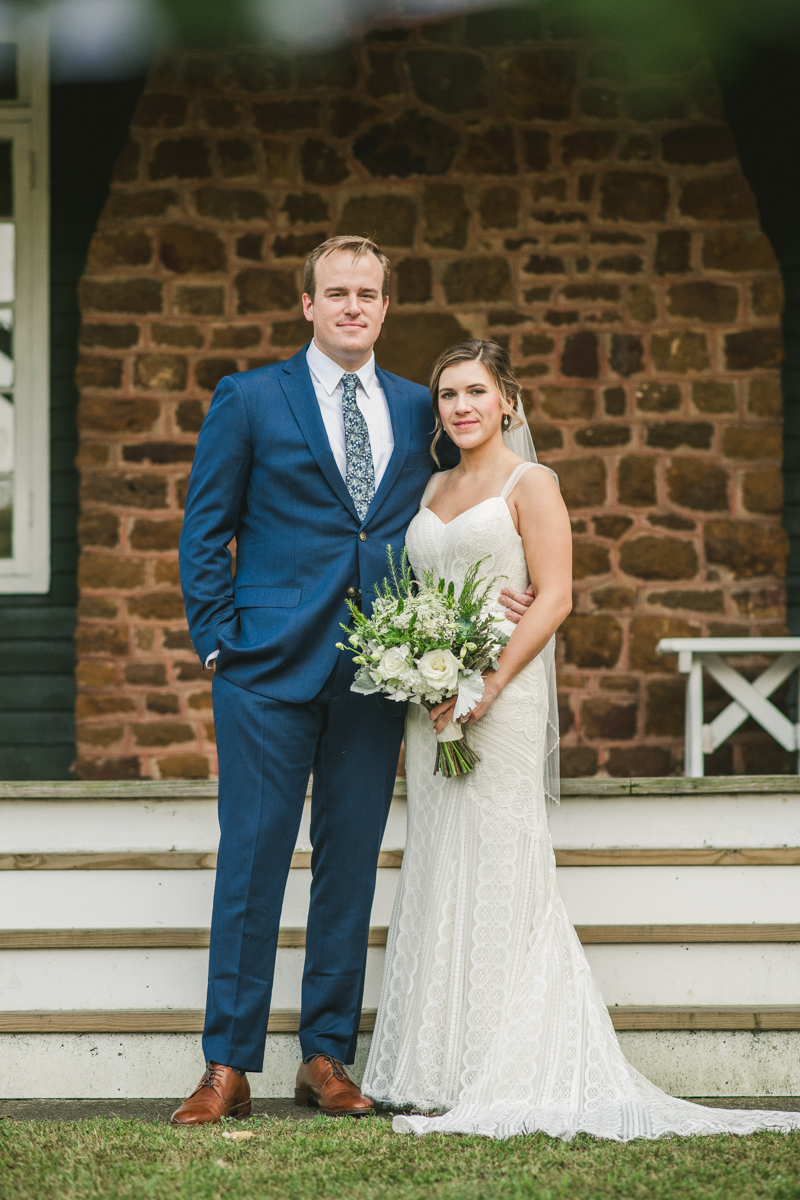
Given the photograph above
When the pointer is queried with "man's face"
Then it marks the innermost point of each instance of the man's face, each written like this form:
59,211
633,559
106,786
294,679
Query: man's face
348,308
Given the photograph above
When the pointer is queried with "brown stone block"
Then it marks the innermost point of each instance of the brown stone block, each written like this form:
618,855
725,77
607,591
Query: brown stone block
176,335
709,602
107,768
157,606
228,204
118,416
162,733
536,149
753,348
579,357
200,301
184,766
450,80
599,102
161,372
383,78
619,683
277,160
446,217
99,735
634,196
583,481
412,144
180,158
112,337
603,436
617,599
671,521
165,703
108,571
477,280
499,208
646,632
189,672
546,437
157,110
91,454
610,525
766,757
544,264
155,535
673,252
670,434
279,116
642,303
177,639
210,732
591,640
190,415
167,571
567,403
410,342
334,68
126,168
621,264
120,295
101,706
189,250
101,639
679,352
767,297
307,207
262,290
95,674
697,483
250,246
127,206
626,354
589,558
322,163
762,491
414,281
181,489
636,481
538,84
98,529
604,719
100,607
658,558
200,700
577,761
754,442
738,250
235,337
719,198
209,371
236,157
536,343
614,401
146,674
765,398
124,248
709,395
655,104
765,602
566,717
639,762
493,152
291,333
747,549
711,302
698,145
390,220
130,491
589,145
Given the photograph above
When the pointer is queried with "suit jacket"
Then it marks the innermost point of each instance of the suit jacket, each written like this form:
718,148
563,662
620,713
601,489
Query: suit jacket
264,473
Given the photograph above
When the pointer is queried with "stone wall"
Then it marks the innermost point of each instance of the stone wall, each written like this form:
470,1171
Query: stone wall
529,187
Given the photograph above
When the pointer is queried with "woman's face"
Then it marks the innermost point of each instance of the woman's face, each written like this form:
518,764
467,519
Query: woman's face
469,405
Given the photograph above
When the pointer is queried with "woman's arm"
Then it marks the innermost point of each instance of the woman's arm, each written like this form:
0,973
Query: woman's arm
543,523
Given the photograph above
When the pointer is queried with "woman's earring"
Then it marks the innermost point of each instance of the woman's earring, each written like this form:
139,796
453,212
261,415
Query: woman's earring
506,421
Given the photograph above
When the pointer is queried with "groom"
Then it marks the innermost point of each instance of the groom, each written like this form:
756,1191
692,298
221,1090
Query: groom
314,465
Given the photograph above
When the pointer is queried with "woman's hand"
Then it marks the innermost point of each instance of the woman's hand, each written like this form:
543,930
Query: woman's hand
442,714
516,604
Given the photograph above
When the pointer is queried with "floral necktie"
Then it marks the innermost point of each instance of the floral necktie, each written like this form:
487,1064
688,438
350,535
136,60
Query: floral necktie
360,472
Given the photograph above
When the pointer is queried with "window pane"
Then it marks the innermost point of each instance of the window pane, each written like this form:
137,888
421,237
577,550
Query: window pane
6,188
6,474
6,264
8,71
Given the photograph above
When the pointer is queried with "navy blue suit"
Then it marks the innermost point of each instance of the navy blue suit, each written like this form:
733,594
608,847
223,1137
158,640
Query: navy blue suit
264,473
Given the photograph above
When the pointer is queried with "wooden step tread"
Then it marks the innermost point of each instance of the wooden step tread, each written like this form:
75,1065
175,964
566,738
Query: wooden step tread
646,1017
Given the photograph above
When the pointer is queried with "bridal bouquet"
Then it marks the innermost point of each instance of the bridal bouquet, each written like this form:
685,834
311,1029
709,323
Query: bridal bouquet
425,643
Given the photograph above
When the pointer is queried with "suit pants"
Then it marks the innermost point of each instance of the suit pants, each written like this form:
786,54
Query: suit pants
267,748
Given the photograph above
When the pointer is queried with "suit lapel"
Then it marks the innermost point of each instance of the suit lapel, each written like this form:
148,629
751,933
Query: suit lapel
398,411
299,391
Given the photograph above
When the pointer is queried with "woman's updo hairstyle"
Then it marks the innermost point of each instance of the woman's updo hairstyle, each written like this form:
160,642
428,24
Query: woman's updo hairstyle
497,362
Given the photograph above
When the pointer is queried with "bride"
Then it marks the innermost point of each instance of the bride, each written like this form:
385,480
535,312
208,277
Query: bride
489,1014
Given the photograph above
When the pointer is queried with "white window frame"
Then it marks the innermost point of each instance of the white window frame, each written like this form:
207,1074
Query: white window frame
25,122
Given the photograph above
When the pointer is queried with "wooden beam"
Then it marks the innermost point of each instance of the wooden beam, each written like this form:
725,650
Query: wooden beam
295,937
652,1017
200,860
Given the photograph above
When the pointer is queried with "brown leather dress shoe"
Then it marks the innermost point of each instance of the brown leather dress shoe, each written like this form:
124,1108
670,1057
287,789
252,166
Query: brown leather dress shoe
222,1092
324,1083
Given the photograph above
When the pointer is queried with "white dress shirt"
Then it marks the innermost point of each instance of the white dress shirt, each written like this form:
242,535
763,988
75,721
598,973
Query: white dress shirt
326,376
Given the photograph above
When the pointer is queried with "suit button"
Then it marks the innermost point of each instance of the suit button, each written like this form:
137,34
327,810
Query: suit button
362,537
351,592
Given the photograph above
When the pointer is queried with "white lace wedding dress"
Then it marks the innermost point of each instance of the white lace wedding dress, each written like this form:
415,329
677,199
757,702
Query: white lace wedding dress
488,1007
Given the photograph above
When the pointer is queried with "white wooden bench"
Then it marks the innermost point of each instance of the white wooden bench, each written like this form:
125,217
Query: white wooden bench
748,699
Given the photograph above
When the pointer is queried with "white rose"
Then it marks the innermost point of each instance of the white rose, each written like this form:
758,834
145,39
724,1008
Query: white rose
393,662
439,669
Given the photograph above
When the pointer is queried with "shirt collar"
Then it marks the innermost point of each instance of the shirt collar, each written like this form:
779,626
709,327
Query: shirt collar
329,374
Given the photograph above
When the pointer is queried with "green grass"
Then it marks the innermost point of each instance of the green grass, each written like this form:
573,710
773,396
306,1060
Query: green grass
364,1160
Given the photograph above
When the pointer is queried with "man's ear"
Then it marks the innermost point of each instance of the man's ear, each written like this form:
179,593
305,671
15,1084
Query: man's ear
308,306
385,306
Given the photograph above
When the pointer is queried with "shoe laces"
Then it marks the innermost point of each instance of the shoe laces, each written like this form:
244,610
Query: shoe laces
211,1079
337,1068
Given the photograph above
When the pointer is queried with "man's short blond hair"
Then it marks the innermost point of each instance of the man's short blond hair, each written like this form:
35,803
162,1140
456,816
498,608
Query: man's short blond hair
357,246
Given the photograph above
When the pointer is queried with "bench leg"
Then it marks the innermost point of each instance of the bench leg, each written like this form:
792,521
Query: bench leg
693,761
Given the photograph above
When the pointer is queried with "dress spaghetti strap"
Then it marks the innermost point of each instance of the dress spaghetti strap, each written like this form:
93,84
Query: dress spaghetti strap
511,482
